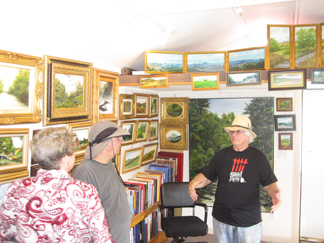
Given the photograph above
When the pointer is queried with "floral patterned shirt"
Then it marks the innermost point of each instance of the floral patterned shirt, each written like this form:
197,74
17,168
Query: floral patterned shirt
52,207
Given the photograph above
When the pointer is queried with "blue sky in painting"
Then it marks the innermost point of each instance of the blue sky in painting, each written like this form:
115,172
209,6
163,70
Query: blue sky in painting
221,106
244,55
164,58
201,58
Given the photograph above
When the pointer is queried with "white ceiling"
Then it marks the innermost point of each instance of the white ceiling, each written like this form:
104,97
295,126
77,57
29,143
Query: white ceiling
113,34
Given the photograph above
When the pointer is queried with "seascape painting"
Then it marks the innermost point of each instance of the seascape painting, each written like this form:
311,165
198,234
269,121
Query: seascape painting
11,150
207,119
279,47
205,62
305,47
247,60
106,94
164,62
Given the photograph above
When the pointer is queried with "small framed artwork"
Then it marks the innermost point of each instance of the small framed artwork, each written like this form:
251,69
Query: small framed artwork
285,141
282,80
317,76
153,130
174,110
243,78
68,91
154,105
142,105
322,47
154,81
14,154
246,59
285,123
149,153
105,95
131,127
207,81
21,80
174,136
159,62
132,159
205,62
142,131
127,106
284,104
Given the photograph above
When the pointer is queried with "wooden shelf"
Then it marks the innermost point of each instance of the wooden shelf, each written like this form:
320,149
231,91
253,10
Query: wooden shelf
141,216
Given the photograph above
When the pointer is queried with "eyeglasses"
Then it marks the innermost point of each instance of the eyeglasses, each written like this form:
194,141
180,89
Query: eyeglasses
238,132
121,139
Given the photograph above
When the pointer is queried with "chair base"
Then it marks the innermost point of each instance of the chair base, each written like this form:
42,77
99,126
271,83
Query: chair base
177,240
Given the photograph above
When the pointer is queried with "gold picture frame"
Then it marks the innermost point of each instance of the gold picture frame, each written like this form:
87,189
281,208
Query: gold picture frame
154,106
13,165
153,131
131,127
160,62
132,159
175,110
174,136
206,81
149,153
62,75
142,105
240,60
30,69
284,104
154,81
105,95
213,61
142,131
127,106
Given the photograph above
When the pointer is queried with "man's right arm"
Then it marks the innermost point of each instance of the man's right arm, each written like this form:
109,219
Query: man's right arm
199,181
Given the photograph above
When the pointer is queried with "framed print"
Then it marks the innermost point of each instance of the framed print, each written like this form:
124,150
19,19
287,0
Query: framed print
246,59
281,80
154,105
174,110
68,91
142,105
285,123
149,153
159,62
208,81
132,159
284,104
285,141
205,62
279,46
81,132
174,136
243,78
127,106
105,95
21,80
153,130
154,81
131,127
13,154
142,131
322,44
318,76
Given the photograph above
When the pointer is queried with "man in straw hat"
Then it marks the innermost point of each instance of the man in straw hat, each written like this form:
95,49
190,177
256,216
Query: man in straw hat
105,139
239,169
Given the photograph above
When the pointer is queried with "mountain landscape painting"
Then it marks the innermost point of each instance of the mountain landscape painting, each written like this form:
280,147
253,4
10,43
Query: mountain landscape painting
205,62
247,60
164,62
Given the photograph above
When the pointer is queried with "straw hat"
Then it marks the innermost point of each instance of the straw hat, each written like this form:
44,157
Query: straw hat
240,122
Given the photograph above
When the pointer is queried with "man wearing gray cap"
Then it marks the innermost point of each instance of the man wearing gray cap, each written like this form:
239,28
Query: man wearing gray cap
105,139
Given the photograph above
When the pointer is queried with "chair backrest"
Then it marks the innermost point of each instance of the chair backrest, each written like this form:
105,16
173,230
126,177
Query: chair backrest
176,194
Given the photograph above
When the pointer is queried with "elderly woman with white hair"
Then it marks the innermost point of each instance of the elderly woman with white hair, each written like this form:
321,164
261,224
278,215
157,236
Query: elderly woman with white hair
52,206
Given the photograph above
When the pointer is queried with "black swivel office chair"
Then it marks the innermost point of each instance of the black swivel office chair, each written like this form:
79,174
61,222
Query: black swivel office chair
176,195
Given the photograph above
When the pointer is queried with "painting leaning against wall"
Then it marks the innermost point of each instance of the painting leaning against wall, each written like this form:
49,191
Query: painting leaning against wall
207,119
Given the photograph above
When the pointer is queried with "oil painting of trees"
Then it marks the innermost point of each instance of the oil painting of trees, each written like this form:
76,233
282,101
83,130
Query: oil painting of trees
305,47
279,47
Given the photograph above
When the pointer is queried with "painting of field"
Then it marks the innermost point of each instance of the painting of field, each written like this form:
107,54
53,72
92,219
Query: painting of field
81,139
285,141
285,122
205,62
295,79
247,60
164,62
279,47
243,78
305,46
149,154
141,105
132,159
154,82
205,82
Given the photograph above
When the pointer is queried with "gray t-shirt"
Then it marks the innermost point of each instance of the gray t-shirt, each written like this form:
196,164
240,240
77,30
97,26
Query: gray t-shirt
112,194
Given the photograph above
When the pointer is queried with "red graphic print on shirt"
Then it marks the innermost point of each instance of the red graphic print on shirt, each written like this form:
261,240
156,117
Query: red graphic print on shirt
237,170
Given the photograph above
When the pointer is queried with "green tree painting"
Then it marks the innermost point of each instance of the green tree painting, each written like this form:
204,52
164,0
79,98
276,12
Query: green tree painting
65,100
20,86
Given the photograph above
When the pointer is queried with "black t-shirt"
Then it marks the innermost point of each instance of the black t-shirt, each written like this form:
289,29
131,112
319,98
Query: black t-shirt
237,199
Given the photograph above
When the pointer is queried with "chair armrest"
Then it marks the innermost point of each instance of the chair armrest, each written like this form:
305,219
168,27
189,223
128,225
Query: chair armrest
205,207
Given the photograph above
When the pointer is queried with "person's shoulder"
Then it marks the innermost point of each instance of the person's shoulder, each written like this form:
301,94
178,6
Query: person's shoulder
256,152
83,185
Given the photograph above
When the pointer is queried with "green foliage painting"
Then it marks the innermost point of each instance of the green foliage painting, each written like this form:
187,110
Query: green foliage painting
305,46
279,47
207,119
10,150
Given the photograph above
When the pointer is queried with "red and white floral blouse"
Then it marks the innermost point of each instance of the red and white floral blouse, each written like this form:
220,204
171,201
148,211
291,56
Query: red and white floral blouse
53,207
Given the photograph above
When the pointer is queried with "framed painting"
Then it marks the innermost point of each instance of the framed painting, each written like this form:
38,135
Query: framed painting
285,141
174,110
154,81
285,123
284,104
305,46
127,106
105,95
21,80
153,130
131,127
174,136
282,80
142,105
279,46
208,81
154,105
317,76
149,153
159,62
132,159
142,131
67,91
205,62
322,44
13,154
81,132
246,59
243,78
